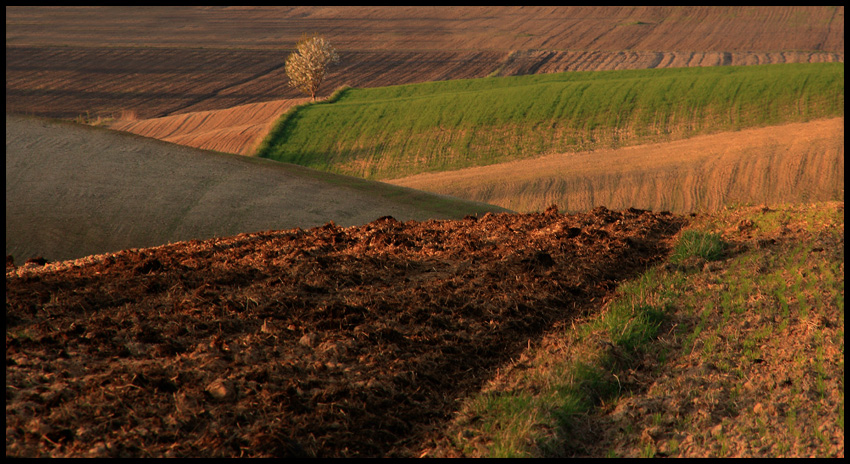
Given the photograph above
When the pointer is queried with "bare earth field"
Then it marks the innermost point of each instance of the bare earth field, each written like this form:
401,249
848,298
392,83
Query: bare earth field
142,83
792,163
695,28
327,342
74,190
157,61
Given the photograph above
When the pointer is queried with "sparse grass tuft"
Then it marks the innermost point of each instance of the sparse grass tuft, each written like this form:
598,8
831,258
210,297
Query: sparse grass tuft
699,244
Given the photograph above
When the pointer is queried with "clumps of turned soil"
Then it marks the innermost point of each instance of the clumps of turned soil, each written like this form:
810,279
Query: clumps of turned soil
332,341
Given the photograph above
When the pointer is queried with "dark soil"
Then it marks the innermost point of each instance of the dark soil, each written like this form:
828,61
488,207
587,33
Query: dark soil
329,342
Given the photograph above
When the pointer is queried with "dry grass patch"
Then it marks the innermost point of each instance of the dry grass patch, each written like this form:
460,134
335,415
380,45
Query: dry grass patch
233,130
789,163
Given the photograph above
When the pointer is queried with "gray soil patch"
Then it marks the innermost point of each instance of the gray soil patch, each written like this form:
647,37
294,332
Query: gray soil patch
74,190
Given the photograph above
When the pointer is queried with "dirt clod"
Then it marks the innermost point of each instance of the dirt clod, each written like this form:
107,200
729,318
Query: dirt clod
332,341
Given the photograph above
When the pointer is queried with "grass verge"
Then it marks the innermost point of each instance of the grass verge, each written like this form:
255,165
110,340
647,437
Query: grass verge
733,348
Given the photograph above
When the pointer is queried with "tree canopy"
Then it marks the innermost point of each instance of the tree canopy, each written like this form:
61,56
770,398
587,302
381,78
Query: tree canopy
308,65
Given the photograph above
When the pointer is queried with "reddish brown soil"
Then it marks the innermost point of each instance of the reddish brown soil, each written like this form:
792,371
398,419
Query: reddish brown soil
331,341
683,28
68,82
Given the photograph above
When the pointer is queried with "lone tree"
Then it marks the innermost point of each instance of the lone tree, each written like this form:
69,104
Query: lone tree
307,67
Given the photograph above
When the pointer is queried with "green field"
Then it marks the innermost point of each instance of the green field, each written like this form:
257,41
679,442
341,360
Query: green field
391,132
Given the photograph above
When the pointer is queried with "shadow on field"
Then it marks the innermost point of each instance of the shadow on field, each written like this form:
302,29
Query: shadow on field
327,342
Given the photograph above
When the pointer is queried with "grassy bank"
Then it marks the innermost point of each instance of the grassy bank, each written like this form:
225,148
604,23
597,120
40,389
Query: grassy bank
392,132
734,347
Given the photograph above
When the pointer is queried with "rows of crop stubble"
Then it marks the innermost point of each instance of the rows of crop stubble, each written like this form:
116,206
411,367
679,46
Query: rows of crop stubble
789,163
390,132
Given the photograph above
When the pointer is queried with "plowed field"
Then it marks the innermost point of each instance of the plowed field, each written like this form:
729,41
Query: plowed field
331,341
553,61
168,60
132,83
695,28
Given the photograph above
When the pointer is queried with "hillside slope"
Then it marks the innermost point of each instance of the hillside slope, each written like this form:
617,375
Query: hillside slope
694,28
733,348
327,342
74,190
391,132
232,130
778,164
542,334
168,60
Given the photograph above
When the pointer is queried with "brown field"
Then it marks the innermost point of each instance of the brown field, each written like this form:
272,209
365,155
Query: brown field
792,163
149,83
328,342
684,28
102,62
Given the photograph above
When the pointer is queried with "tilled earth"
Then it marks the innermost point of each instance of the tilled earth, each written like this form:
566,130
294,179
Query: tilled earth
357,341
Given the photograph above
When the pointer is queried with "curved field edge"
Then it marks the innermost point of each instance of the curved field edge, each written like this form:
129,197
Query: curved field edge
228,57
392,132
732,348
74,190
790,163
233,130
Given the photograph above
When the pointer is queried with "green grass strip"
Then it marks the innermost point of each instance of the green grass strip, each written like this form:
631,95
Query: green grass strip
391,132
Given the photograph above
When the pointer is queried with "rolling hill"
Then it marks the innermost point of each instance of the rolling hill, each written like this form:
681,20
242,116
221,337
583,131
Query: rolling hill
205,304
74,190
789,163
389,132
67,61
231,130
